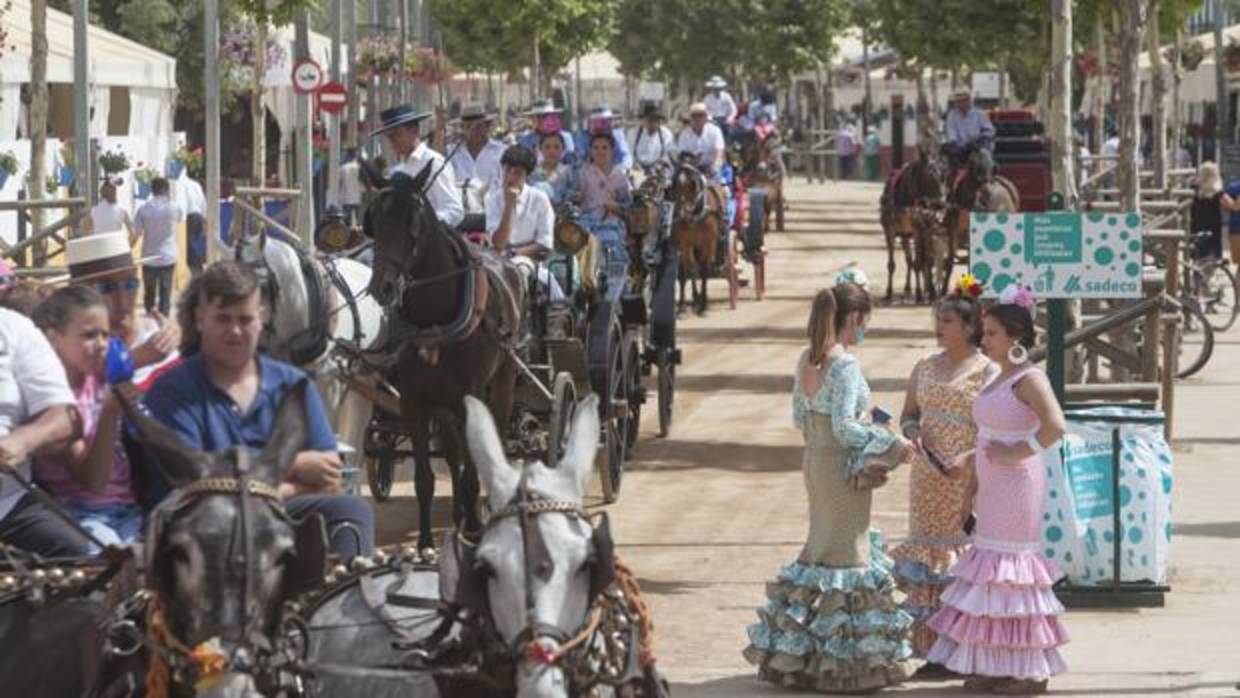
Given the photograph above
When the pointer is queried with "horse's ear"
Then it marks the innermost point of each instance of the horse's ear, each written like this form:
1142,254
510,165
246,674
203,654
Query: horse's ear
178,463
578,460
420,181
288,435
372,175
488,453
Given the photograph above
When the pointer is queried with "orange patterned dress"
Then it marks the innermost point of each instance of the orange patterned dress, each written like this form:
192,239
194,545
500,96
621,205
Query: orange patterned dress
935,502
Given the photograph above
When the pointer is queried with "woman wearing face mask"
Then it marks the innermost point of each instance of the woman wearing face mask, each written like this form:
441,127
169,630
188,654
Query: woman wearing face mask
999,621
847,634
938,419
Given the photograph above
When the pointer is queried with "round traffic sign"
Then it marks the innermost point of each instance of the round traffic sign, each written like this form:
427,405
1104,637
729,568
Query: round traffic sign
333,97
307,76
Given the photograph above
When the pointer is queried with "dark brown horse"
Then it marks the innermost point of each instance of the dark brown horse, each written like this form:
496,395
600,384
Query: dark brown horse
698,227
975,187
909,199
762,167
456,316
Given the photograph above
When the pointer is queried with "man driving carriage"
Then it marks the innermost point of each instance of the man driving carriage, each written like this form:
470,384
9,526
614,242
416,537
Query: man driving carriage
402,128
704,141
653,143
520,219
968,129
720,106
476,159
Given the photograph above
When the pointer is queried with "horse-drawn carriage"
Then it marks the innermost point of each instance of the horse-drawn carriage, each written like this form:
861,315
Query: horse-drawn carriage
613,325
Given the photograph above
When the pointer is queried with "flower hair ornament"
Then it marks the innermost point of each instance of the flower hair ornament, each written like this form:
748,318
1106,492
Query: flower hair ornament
1023,297
968,287
853,275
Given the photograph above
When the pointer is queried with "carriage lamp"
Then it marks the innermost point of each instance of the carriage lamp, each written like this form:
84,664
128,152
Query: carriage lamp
332,234
1054,201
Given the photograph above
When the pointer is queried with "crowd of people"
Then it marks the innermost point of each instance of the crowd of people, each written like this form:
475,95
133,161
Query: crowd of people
978,602
77,348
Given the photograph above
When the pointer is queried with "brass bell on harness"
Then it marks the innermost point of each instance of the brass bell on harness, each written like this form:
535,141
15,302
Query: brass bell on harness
39,576
56,575
7,582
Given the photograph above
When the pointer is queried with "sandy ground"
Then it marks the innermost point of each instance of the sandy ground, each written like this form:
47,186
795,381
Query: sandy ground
707,515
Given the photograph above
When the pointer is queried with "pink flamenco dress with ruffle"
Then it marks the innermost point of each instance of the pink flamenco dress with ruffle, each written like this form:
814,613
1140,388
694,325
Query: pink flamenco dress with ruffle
1000,616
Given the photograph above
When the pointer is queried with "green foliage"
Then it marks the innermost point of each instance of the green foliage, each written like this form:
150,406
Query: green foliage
480,35
693,39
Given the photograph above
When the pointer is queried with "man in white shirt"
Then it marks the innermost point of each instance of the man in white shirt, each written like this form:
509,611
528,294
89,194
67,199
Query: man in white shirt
719,104
37,409
350,187
967,127
195,222
652,141
520,219
476,159
401,127
702,139
156,224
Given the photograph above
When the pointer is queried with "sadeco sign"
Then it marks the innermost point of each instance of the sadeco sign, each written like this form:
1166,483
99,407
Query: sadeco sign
1059,254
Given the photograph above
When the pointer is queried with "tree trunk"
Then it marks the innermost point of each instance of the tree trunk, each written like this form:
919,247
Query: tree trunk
258,113
1134,17
1061,101
1100,90
1177,120
1158,101
38,118
927,134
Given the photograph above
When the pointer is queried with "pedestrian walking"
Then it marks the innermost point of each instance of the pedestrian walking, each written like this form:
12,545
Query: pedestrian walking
1206,214
999,621
351,187
832,623
846,149
938,420
108,216
873,146
155,224
195,223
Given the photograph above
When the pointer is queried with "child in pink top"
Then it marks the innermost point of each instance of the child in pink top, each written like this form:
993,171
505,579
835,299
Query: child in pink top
91,476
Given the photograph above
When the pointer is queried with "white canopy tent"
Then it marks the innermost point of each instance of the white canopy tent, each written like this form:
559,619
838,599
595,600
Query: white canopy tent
148,76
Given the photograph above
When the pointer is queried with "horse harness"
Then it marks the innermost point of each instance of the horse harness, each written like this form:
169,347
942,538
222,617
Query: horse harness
303,575
463,585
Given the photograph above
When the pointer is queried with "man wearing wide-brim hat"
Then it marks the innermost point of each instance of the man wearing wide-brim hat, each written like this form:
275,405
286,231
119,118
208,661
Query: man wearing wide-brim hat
967,128
105,262
719,104
704,140
547,119
652,141
402,128
475,160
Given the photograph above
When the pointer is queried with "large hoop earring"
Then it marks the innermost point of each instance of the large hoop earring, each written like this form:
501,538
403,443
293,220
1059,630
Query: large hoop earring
1017,354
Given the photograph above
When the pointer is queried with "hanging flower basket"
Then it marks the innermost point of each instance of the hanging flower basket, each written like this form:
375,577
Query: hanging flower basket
174,168
1088,64
8,166
113,162
142,178
378,56
428,66
1190,57
850,76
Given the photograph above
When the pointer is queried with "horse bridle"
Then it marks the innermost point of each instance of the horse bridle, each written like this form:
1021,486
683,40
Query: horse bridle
697,212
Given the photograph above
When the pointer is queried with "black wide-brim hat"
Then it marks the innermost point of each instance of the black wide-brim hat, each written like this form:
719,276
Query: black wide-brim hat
399,116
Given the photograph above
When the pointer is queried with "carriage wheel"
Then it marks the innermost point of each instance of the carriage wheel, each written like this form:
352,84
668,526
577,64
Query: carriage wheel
380,456
667,390
563,407
731,274
637,397
610,461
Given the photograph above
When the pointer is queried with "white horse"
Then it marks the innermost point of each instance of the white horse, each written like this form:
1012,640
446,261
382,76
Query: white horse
556,607
319,302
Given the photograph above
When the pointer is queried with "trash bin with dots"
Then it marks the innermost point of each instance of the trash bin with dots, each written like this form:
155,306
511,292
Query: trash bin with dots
1111,476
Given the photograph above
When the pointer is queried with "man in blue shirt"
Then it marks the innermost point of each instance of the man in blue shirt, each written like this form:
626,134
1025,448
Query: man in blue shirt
967,128
224,395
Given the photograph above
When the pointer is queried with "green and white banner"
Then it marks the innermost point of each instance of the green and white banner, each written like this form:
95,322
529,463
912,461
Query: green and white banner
1057,254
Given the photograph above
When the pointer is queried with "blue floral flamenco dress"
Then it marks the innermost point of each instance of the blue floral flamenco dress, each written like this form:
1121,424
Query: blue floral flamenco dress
832,622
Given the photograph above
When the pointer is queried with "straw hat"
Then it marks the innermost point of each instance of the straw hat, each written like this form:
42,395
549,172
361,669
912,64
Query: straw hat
698,108
95,256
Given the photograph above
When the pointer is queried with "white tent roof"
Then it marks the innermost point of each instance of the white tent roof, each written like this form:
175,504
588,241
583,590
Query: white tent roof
115,60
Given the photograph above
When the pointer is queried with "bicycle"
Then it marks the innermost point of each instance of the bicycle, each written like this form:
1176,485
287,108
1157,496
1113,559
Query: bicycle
1210,281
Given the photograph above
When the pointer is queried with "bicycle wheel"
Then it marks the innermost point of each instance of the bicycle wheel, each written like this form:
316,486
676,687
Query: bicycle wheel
1196,339
1214,287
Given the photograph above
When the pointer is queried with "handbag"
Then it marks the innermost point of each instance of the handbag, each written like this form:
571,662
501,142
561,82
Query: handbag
875,468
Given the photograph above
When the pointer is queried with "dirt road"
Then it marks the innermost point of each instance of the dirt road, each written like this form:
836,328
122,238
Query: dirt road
709,514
